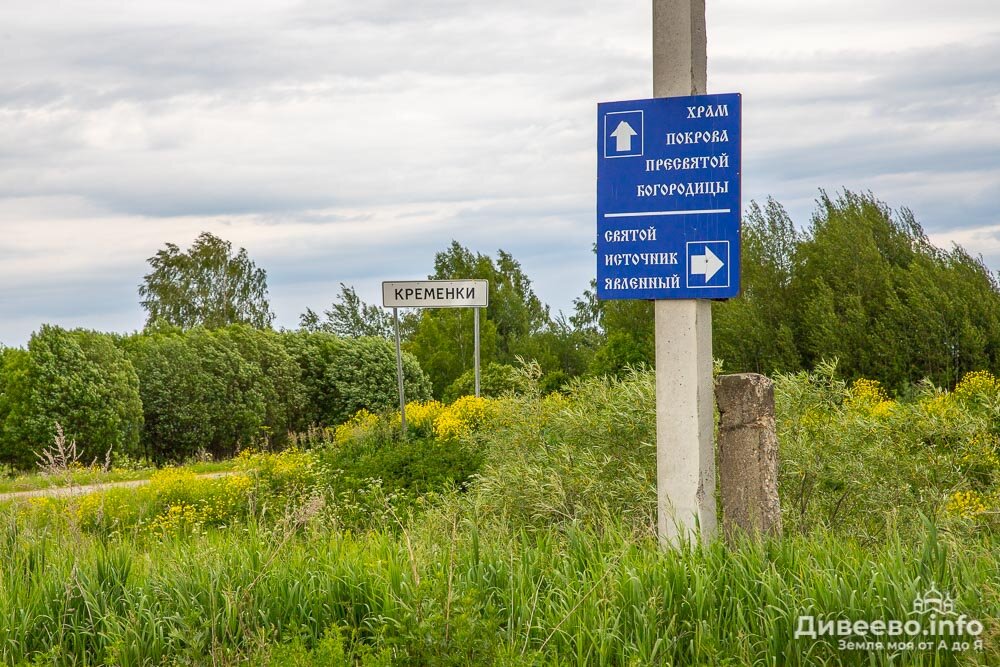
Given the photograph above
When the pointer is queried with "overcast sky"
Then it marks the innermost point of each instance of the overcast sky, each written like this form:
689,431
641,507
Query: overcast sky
349,141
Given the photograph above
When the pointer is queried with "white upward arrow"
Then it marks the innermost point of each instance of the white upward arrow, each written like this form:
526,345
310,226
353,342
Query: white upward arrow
623,137
705,265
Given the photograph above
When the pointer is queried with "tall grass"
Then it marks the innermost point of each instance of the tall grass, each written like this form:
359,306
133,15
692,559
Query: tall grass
547,557
566,596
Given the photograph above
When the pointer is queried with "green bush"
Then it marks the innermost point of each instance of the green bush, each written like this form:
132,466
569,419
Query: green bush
853,461
580,457
857,462
494,380
363,375
404,468
620,352
78,379
340,376
553,381
219,390
278,383
315,353
14,395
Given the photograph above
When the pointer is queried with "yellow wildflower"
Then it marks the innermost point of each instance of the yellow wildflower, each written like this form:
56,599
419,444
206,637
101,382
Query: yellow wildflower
978,384
462,417
420,416
869,397
967,504
357,426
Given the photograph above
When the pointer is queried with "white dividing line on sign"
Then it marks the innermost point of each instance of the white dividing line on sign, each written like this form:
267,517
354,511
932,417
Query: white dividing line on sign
637,214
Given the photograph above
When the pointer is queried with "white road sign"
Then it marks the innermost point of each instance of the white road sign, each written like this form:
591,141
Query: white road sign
435,294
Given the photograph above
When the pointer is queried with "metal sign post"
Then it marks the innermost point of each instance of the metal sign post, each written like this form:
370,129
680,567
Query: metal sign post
473,294
399,373
476,324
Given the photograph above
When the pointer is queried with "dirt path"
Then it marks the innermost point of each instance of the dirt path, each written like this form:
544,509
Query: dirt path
89,488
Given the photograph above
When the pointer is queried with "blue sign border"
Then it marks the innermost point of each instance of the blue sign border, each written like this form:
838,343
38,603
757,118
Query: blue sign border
669,198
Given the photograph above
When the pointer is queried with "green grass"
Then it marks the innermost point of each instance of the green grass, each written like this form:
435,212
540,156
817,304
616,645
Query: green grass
466,596
526,543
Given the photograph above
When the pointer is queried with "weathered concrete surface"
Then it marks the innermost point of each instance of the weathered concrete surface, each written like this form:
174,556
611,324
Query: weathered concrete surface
685,447
680,48
685,450
748,455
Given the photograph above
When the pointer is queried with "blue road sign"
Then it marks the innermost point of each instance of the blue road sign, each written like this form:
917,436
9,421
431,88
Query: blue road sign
668,198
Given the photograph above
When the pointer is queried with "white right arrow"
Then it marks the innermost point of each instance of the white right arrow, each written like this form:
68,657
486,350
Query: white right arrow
623,137
705,265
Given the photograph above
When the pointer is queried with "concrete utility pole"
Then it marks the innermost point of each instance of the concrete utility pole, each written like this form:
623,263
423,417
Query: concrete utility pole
685,452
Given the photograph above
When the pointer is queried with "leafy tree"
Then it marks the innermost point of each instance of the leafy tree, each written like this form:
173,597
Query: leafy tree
861,284
342,375
279,381
178,402
14,397
513,306
950,316
754,332
350,317
846,271
78,379
441,339
562,352
444,346
620,332
205,286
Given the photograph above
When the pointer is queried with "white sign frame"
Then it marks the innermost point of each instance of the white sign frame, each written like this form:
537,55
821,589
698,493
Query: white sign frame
435,293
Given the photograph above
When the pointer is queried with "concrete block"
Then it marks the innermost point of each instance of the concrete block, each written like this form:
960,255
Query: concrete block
748,455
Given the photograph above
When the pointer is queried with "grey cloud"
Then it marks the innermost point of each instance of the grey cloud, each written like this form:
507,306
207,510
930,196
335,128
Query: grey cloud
464,120
107,301
390,12
875,154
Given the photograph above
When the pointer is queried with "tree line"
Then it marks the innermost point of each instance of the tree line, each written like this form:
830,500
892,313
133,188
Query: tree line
860,283
168,394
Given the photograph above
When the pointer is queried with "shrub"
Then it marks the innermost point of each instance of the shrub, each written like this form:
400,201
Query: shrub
580,457
363,375
341,376
861,464
76,378
274,473
14,397
553,381
462,417
495,380
409,468
420,417
219,390
438,453
278,382
356,428
315,353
